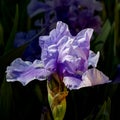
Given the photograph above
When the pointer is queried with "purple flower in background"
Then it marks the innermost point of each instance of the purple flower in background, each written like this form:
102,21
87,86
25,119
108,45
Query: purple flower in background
78,14
33,51
35,7
23,37
91,5
65,55
83,19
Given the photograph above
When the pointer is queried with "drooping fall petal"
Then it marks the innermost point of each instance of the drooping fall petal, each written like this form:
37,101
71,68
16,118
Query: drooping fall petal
25,71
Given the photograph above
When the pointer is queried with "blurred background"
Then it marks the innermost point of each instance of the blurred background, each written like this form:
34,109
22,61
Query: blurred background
23,21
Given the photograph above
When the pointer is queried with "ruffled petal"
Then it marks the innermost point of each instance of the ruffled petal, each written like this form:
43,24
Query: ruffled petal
51,43
82,40
83,37
25,71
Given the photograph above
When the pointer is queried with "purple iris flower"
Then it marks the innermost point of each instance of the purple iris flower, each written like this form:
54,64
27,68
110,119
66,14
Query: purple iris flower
65,55
33,50
78,14
83,19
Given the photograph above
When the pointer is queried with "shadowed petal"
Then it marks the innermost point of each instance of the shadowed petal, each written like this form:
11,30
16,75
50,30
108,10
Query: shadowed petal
71,82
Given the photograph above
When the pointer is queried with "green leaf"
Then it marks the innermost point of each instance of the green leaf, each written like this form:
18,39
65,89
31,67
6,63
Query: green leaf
90,117
38,92
5,100
104,113
1,36
116,27
119,6
11,55
10,41
102,37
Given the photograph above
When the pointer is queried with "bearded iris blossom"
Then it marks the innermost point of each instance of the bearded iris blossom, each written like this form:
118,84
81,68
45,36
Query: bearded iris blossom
63,54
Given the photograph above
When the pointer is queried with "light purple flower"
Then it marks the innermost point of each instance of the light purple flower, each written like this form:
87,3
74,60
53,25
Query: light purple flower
66,55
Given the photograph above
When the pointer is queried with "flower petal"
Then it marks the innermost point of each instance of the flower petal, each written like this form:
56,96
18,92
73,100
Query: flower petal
71,82
93,58
83,40
84,36
49,43
25,71
93,77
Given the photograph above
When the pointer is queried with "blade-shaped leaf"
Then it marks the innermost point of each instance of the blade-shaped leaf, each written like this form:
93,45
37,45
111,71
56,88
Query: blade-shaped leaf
11,55
9,44
101,39
104,113
1,36
5,100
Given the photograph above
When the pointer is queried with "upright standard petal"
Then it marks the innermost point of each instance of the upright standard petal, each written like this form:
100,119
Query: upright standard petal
49,43
93,58
82,39
25,71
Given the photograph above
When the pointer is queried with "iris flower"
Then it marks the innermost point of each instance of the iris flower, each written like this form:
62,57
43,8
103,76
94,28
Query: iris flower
63,54
78,14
